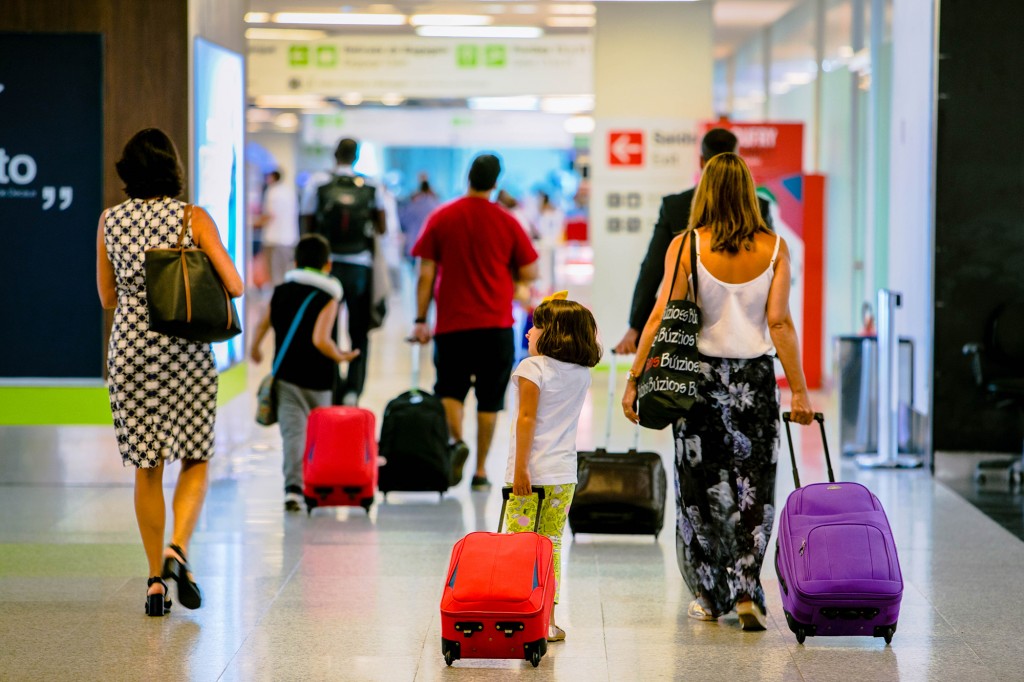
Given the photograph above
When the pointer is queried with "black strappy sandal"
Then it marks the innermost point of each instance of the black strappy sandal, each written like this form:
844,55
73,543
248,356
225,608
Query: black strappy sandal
188,592
157,604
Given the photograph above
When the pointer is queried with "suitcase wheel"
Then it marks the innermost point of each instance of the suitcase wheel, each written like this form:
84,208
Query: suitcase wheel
886,631
366,503
801,635
535,659
451,649
310,505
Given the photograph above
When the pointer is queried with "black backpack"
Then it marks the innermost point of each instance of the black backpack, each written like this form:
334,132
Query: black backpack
345,209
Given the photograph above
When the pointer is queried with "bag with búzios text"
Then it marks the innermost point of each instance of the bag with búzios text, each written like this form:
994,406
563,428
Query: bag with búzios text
667,385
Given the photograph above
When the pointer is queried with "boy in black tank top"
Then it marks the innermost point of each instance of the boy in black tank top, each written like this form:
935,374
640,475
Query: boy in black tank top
307,367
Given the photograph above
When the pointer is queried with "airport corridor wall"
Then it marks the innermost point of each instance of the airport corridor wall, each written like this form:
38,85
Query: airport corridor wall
979,211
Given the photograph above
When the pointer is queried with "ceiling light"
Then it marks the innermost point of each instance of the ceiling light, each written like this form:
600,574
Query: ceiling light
493,9
524,9
352,99
521,103
254,115
257,17
284,34
339,19
799,78
290,101
391,99
579,125
567,104
450,20
581,8
570,22
288,121
480,31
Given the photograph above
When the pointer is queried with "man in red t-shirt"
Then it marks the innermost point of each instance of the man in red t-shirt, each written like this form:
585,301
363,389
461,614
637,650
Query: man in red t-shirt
472,254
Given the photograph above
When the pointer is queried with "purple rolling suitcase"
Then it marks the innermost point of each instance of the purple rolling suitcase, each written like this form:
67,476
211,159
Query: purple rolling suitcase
836,559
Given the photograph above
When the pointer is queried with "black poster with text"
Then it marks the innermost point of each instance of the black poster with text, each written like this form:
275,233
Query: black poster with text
51,195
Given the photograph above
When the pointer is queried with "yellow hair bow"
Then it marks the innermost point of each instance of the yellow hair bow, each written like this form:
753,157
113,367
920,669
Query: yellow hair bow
557,296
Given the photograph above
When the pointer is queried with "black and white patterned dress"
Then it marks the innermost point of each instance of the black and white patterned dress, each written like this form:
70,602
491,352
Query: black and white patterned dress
163,389
727,447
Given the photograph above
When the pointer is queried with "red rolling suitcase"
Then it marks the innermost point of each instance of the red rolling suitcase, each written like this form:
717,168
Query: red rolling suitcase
498,595
836,560
339,466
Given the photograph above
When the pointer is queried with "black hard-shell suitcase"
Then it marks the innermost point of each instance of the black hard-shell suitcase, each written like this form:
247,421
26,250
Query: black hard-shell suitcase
618,492
414,441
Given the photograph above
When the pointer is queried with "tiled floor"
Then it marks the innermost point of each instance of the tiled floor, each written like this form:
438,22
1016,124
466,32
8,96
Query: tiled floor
346,596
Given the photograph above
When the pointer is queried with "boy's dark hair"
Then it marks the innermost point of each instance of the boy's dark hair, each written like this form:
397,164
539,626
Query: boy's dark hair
718,141
483,174
346,151
149,166
312,251
569,332
276,174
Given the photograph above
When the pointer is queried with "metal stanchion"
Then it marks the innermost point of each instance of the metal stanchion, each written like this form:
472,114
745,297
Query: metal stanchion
888,456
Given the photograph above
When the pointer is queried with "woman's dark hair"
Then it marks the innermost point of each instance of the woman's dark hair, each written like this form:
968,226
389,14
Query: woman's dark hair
726,203
569,332
149,166
312,251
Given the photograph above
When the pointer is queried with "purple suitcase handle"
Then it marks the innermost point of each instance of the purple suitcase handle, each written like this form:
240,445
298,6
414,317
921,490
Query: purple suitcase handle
787,417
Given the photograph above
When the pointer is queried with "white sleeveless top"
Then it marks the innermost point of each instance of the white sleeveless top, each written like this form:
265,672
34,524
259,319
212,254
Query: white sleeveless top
734,319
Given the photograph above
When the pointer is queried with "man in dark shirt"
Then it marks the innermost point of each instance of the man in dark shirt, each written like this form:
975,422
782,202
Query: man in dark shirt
672,219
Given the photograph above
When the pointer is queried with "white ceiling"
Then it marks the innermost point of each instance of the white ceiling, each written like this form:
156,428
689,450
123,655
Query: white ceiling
735,20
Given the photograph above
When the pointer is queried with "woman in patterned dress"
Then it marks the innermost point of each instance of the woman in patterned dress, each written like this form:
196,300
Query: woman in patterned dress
163,389
727,443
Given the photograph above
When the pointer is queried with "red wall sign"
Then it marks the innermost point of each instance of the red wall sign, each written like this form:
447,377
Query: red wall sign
625,148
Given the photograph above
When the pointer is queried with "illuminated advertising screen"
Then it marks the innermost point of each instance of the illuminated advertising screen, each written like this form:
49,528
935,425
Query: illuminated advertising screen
217,158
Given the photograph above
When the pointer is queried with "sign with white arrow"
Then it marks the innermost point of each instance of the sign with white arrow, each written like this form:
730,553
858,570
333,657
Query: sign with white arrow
626,148
635,162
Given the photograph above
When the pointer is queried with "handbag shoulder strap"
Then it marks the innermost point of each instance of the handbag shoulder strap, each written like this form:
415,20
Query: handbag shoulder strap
186,221
679,259
693,263
291,333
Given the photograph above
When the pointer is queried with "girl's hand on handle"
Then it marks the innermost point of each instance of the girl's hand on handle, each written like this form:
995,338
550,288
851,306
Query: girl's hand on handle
800,408
628,400
521,484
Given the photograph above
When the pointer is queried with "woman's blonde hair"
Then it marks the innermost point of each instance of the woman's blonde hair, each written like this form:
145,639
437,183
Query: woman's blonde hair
726,203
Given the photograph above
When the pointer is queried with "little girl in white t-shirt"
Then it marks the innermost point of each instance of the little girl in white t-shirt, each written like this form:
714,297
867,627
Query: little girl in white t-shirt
548,389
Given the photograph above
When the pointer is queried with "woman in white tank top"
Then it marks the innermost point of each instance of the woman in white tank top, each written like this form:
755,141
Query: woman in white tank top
727,443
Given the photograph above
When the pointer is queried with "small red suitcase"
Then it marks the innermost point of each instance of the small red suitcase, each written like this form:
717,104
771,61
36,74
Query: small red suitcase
339,467
498,595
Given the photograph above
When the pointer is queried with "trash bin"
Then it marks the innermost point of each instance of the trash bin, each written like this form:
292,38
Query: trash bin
857,382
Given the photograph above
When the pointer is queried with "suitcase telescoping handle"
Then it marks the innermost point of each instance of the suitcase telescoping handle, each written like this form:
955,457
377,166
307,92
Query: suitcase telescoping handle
507,491
415,379
820,418
612,404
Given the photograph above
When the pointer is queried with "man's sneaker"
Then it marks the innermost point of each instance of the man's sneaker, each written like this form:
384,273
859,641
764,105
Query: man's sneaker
480,484
459,454
350,399
293,502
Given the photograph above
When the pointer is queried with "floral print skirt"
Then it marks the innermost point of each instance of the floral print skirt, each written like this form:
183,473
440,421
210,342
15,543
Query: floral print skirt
726,452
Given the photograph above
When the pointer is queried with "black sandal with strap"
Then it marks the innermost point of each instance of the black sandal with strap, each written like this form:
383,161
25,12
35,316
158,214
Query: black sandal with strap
178,570
157,604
